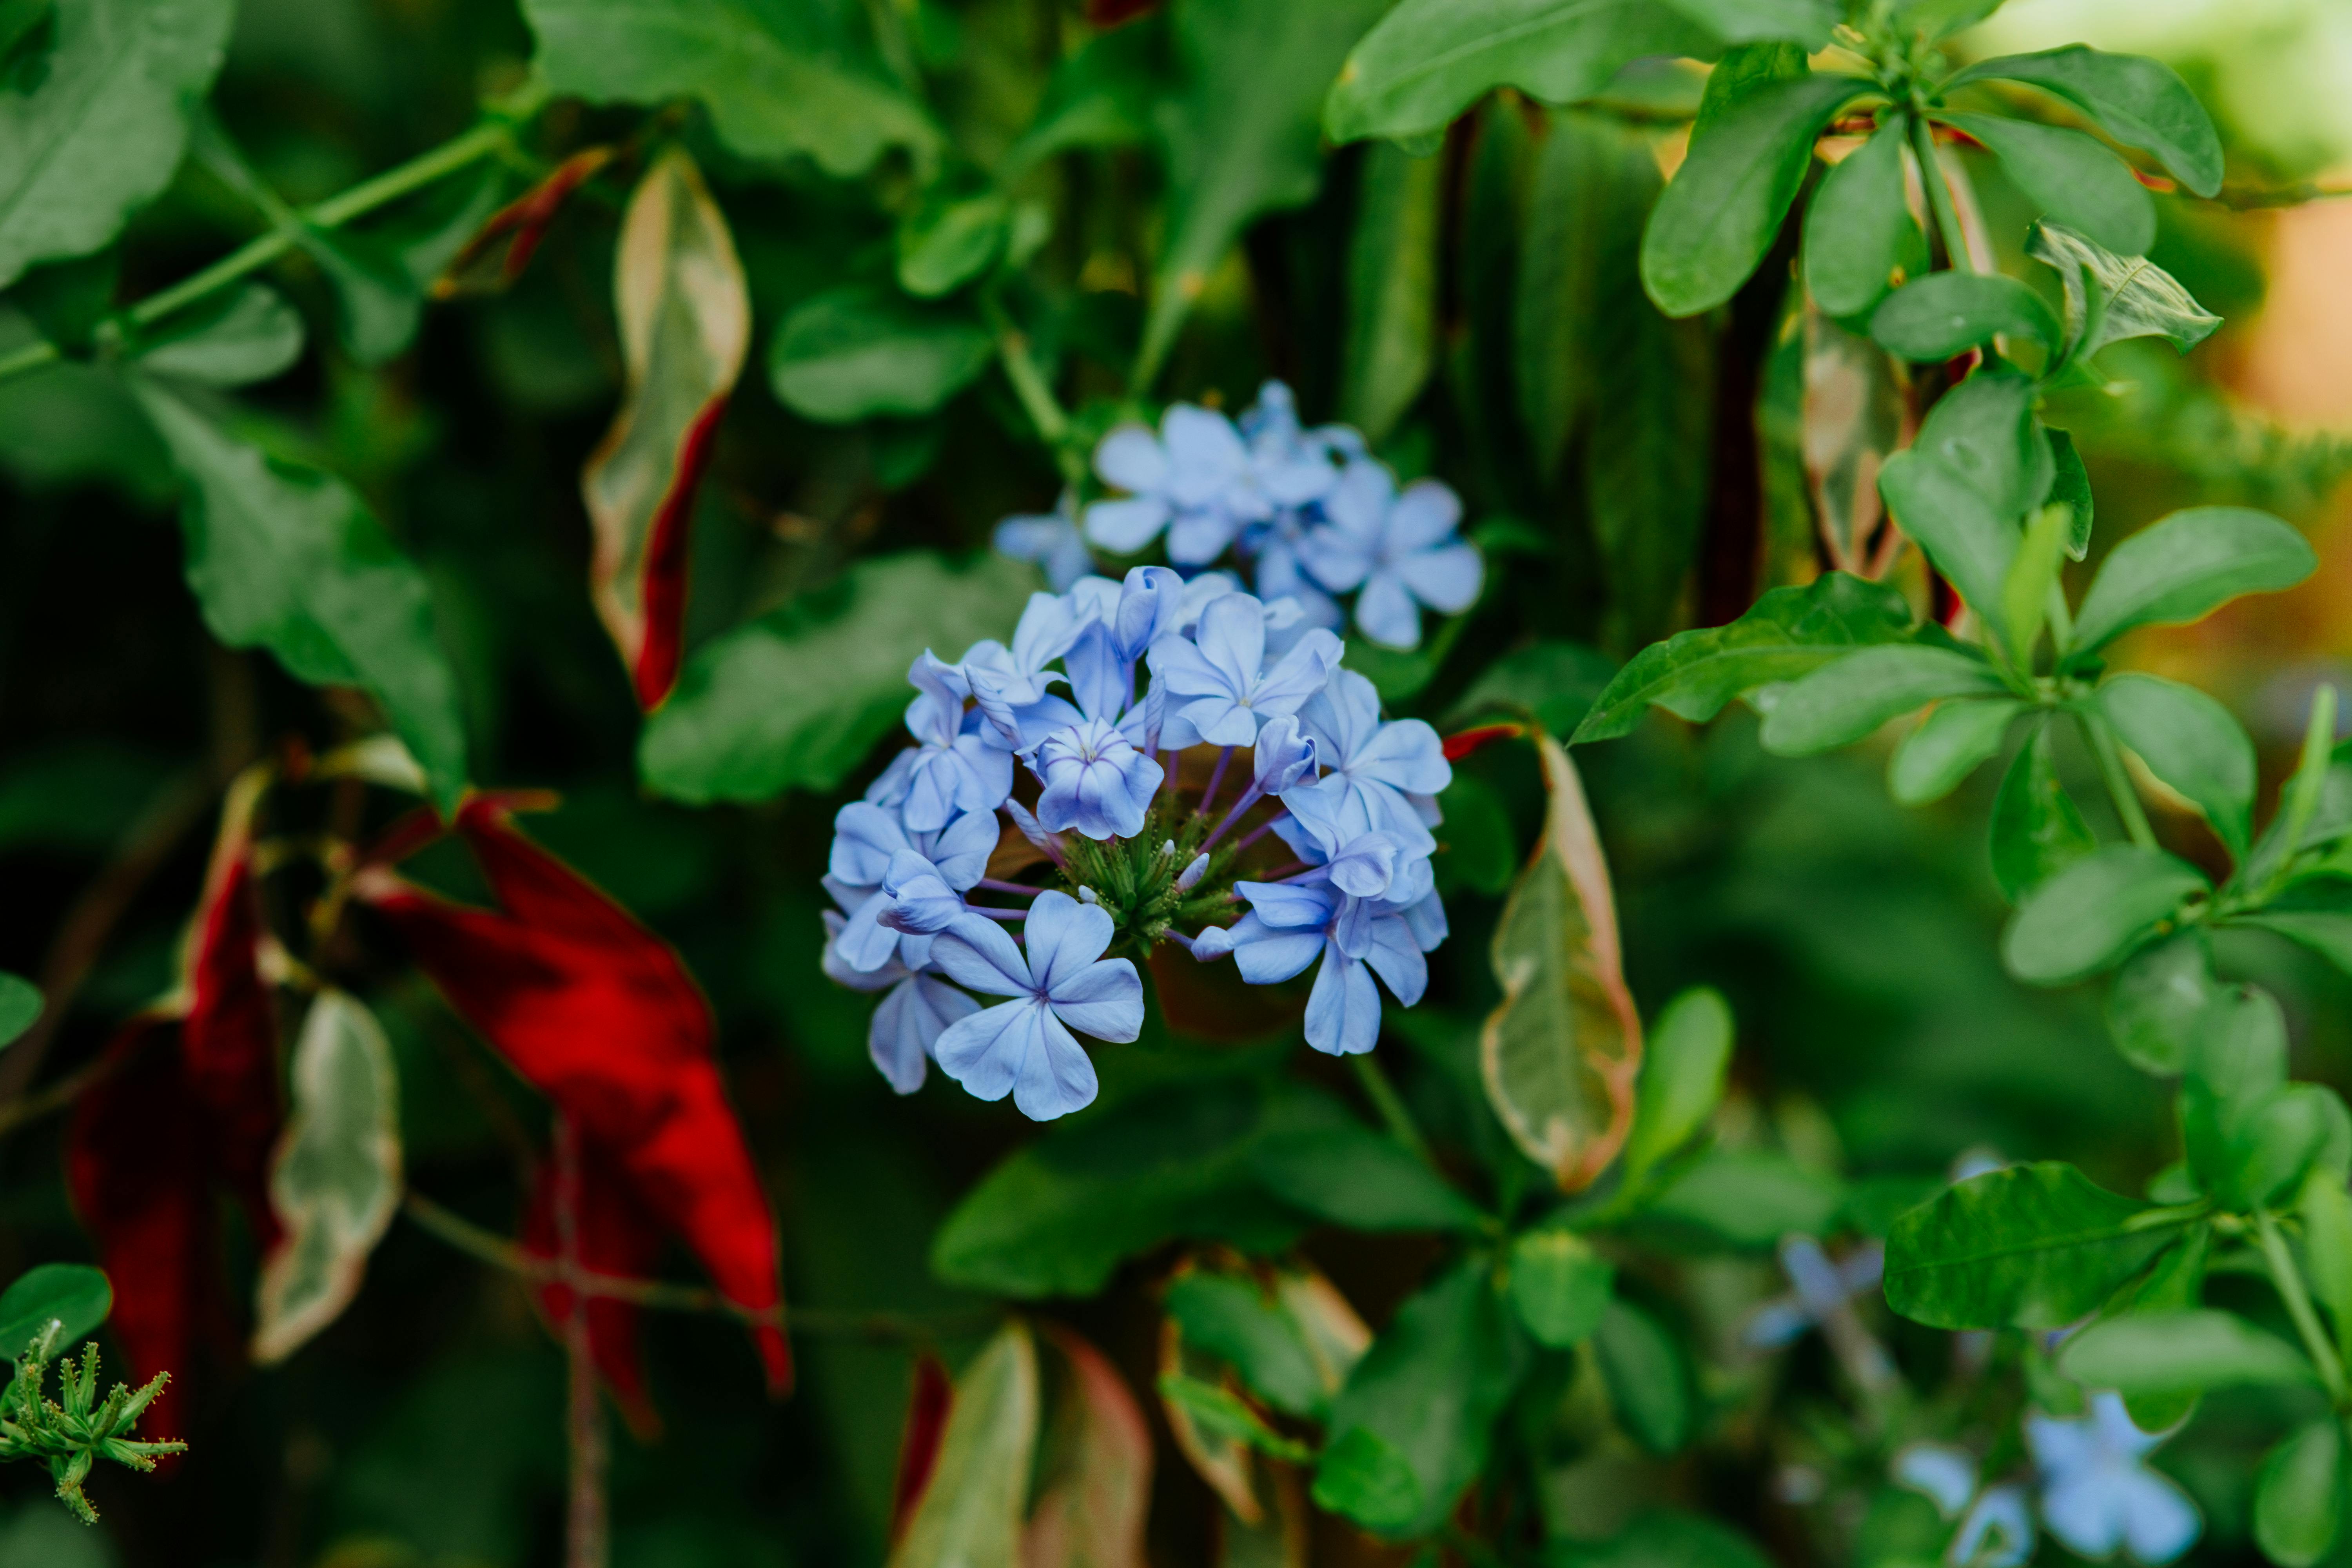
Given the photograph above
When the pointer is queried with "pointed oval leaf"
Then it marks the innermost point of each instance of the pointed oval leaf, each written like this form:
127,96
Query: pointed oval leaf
1944,314
2181,1352
2134,298
1859,231
1237,1320
970,1515
2089,915
1090,1512
1353,1176
1648,1377
2159,1001
1560,1052
1985,430
2140,102
2192,744
2071,177
1948,745
336,1180
1805,22
1428,60
686,321
852,352
2031,1247
1720,213
2299,1495
1843,702
2037,830
2187,566
1561,1286
251,334
74,1296
1961,532
1683,1068
1393,263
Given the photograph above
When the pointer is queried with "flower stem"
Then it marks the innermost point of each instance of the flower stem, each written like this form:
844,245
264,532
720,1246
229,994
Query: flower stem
2289,1280
996,886
1216,777
1939,194
1249,798
1390,1105
1036,394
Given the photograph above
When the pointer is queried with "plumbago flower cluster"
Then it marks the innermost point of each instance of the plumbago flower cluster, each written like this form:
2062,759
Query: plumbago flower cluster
1309,513
1310,820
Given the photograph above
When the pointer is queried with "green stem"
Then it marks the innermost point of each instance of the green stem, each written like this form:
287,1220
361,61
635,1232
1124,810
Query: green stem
2289,1280
489,137
1939,194
1037,400
2118,781
1390,1105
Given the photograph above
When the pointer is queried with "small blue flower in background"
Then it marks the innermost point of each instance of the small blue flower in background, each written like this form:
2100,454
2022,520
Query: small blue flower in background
1383,777
1219,687
1401,551
1194,482
1096,781
1050,539
1023,1047
2097,1492
1294,466
1997,1530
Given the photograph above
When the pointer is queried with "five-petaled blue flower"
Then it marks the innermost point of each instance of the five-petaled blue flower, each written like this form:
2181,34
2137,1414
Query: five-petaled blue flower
1095,781
1401,550
1219,685
1194,479
1061,982
1383,777
960,762
2097,1492
1050,539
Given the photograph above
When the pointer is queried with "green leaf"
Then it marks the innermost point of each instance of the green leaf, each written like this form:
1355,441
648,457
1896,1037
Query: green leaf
1984,430
2250,1135
2326,1211
1949,744
101,135
1479,850
74,1296
1429,1390
1960,531
2032,582
1843,702
2094,911
1648,1376
1241,135
287,558
1430,60
2029,1246
971,1511
1745,1199
2324,931
2181,1352
2069,487
1942,18
1364,1476
2187,566
1101,95
2140,102
2037,830
796,699
2157,1004
1392,338
1944,314
2299,1495
28,29
1785,634
1057,1217
1645,497
1589,193
1683,1067
335,1182
2114,297
1664,1538
1237,1320
946,243
1806,22
2192,744
2069,177
20,1006
1723,208
1561,1286
852,352
1557,681
250,334
1743,72
1860,237
1353,1176
779,81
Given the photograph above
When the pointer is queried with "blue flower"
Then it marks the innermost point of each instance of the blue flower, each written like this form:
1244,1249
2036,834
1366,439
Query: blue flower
1195,480
1005,680
1062,982
1380,778
1293,466
2098,1493
1996,1533
961,761
1824,1291
1118,630
1219,686
868,843
915,1010
1291,924
1050,539
1401,549
1095,781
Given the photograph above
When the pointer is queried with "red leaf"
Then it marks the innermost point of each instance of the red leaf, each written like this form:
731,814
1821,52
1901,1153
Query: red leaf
1462,742
616,1237
525,220
229,1044
662,587
599,1016
918,1448
134,1166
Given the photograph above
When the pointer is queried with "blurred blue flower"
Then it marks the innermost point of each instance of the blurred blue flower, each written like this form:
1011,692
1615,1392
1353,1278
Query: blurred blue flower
1401,550
1219,686
960,761
1293,466
1050,539
1095,781
1379,778
1195,480
1824,1289
2097,1492
1062,982
1996,1533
